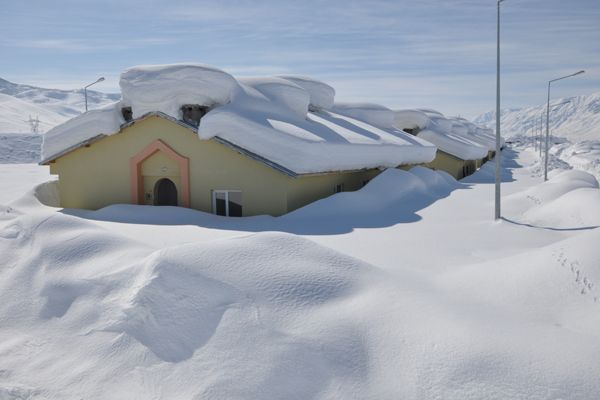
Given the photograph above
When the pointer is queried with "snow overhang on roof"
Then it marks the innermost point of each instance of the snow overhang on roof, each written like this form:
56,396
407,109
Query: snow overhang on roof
265,118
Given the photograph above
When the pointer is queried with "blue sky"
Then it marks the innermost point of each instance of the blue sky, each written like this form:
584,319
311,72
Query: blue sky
403,54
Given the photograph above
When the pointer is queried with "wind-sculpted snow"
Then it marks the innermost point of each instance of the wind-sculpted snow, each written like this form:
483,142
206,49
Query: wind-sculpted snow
374,114
321,94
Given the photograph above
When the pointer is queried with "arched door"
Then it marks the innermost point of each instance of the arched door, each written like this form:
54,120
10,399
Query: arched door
165,193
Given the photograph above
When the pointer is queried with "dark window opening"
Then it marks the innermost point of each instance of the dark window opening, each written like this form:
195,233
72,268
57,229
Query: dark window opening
127,113
191,113
227,203
338,188
412,131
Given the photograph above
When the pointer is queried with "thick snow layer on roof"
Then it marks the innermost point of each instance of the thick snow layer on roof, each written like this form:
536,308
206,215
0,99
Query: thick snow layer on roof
448,135
166,88
267,117
324,141
374,114
106,120
410,119
321,94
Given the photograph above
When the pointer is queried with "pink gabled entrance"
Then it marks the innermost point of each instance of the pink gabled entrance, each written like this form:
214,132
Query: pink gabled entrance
137,180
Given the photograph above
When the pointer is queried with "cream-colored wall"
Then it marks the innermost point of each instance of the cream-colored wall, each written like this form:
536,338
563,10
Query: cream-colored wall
99,175
305,190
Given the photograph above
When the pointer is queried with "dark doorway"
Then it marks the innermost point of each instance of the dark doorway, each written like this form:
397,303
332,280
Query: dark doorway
165,193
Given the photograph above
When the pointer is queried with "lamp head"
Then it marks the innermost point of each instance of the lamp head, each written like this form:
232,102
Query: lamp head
579,73
102,78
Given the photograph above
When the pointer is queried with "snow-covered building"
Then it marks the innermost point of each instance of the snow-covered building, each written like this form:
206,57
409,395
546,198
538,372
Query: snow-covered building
194,136
462,147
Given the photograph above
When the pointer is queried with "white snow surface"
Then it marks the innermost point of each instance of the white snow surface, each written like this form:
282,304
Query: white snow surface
15,114
167,87
321,94
404,289
451,135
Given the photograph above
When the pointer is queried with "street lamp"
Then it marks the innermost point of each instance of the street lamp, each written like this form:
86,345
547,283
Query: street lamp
498,156
85,90
548,121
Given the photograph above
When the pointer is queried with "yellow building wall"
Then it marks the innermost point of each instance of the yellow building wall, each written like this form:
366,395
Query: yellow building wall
305,190
455,166
99,175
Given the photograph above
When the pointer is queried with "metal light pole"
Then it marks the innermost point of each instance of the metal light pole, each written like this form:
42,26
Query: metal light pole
498,139
85,90
548,121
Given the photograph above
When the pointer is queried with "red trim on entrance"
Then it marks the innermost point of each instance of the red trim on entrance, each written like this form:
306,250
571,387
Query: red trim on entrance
137,180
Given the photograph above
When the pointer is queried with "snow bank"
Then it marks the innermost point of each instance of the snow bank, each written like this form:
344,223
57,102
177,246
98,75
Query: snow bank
374,114
106,121
273,315
568,200
166,88
321,94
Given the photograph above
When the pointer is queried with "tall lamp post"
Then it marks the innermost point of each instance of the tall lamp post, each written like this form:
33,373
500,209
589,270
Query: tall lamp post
85,90
498,140
548,121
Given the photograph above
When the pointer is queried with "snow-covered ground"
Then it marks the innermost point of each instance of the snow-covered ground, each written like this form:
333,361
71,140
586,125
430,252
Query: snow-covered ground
404,289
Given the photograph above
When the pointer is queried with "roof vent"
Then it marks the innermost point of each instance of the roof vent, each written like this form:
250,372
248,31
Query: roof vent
191,113
127,113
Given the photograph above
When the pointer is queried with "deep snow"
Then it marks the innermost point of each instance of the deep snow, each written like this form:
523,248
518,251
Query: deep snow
404,289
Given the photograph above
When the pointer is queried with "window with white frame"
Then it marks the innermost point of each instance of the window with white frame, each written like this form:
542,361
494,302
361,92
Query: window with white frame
227,203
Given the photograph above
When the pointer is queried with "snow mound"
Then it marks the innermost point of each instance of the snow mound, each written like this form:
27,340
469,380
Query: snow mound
569,199
104,121
321,94
166,88
268,315
374,114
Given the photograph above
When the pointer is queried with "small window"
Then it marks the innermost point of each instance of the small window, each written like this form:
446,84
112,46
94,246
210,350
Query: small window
338,188
227,203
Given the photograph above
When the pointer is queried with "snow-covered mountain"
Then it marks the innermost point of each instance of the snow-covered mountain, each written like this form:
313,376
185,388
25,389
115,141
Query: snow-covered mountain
51,106
575,118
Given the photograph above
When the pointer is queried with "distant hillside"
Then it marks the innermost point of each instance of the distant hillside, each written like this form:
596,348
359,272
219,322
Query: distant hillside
575,118
51,106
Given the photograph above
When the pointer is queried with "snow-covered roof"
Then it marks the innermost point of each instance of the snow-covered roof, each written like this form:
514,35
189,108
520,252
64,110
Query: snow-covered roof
267,117
449,135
